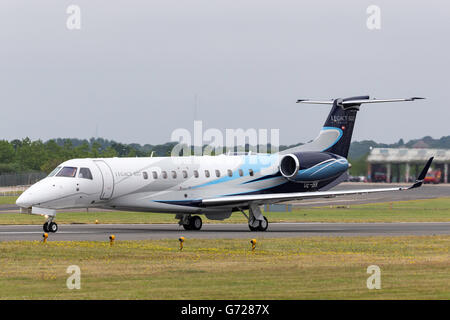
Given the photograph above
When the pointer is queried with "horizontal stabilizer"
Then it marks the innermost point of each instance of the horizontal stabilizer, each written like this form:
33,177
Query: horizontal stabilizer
344,102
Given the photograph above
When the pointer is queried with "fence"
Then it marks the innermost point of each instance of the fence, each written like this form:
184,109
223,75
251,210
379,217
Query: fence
21,179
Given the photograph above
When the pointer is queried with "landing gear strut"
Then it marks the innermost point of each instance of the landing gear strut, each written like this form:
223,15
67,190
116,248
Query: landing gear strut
256,221
50,226
191,222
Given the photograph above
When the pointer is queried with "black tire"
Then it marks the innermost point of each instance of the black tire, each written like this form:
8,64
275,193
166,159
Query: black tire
52,227
45,227
187,227
195,223
263,225
251,227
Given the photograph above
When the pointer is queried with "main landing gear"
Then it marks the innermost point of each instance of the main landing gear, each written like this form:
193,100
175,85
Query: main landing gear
261,225
256,221
50,226
191,222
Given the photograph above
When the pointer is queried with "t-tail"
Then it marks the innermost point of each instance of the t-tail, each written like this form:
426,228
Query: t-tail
336,134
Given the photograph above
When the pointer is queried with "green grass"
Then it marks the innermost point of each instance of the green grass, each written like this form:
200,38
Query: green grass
299,268
403,211
8,199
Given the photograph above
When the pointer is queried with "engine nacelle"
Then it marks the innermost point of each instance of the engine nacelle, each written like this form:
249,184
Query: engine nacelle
312,166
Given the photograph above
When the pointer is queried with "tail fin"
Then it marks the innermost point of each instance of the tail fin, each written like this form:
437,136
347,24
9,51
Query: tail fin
342,117
336,134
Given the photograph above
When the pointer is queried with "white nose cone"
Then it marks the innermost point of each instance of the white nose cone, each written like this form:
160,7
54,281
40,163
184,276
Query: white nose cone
39,192
24,201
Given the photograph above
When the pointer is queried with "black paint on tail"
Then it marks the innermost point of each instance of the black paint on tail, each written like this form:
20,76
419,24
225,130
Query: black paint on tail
343,118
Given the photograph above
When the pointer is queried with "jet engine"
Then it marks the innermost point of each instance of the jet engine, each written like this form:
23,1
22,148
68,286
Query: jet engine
312,166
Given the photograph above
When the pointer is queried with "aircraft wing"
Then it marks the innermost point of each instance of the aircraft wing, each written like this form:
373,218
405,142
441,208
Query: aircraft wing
279,197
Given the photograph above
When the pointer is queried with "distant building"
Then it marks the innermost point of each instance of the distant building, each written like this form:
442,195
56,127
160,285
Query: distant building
404,165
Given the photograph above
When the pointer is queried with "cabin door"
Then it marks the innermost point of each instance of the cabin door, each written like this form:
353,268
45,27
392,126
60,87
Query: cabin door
108,180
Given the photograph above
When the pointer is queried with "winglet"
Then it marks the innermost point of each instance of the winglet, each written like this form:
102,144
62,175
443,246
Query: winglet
419,180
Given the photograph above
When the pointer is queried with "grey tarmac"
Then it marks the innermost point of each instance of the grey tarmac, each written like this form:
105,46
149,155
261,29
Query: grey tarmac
101,232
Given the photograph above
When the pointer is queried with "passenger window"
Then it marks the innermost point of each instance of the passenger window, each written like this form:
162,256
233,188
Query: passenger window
185,175
164,174
67,172
207,173
196,173
145,175
217,173
155,175
250,172
241,173
230,173
85,173
174,174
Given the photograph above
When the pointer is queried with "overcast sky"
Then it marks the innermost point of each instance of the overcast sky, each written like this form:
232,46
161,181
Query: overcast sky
131,73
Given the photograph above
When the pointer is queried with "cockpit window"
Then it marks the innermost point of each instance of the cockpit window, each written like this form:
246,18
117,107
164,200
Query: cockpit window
85,173
54,172
67,172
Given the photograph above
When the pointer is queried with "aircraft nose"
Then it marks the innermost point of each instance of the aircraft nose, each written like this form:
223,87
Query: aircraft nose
24,200
33,195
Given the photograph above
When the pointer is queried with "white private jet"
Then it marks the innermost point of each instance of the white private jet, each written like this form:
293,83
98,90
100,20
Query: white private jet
214,186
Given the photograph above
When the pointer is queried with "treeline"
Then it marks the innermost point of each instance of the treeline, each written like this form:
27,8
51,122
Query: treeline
25,155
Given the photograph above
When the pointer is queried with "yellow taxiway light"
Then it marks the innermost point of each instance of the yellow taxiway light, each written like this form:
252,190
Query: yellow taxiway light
111,239
44,237
253,242
181,239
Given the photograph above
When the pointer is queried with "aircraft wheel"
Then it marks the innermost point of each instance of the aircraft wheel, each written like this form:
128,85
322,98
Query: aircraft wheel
45,227
252,228
52,227
187,226
196,223
263,225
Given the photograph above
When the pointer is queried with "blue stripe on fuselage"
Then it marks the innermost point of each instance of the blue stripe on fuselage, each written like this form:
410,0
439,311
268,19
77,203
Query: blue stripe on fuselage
255,162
